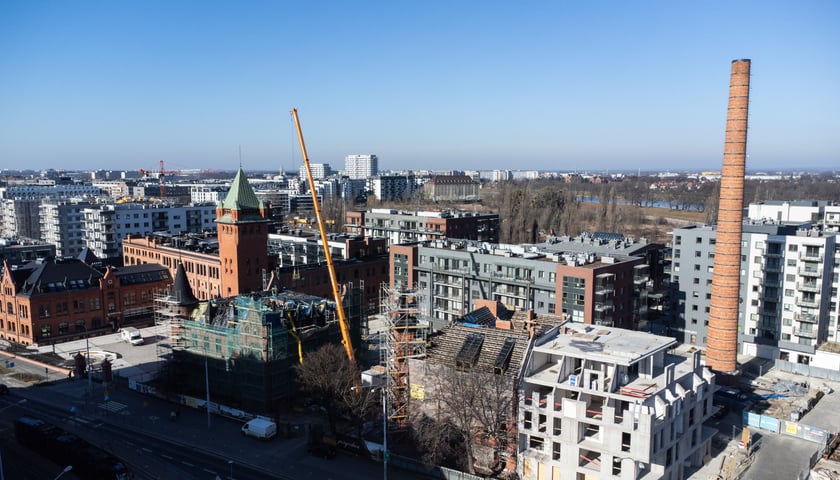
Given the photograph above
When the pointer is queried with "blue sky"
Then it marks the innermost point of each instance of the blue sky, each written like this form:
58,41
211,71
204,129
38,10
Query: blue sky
570,85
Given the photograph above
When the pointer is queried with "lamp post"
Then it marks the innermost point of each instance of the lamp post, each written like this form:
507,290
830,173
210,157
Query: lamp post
89,372
66,469
230,462
384,433
207,386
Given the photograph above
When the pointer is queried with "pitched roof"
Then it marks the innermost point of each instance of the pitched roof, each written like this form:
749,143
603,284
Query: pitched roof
181,291
241,195
52,276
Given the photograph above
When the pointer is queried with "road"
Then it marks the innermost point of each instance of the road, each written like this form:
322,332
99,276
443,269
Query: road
137,429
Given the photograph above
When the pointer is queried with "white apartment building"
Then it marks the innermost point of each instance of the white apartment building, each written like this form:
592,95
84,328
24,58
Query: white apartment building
319,170
42,191
208,193
598,402
789,294
61,225
19,218
392,187
361,166
105,226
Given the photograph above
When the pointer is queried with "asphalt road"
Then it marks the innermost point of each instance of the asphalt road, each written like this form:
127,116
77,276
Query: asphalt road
136,428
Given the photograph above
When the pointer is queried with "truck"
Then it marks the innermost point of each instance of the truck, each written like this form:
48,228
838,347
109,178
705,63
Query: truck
65,448
132,336
260,428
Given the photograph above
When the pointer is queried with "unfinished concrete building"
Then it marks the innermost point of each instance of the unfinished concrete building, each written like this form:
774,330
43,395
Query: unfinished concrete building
602,402
489,345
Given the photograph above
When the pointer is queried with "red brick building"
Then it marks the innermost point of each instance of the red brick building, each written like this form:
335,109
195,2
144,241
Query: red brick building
56,300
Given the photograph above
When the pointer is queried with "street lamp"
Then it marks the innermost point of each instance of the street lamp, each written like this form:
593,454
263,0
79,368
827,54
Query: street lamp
230,462
90,370
207,386
66,469
384,434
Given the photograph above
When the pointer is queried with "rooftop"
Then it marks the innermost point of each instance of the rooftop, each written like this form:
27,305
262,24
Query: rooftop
604,344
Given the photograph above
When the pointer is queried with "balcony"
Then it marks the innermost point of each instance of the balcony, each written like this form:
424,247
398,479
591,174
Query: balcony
805,318
808,333
807,302
811,256
808,287
810,271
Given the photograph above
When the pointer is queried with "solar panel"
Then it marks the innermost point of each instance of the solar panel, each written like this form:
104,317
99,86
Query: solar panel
468,355
482,316
503,358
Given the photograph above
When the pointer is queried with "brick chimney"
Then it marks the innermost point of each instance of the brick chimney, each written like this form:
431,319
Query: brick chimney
722,344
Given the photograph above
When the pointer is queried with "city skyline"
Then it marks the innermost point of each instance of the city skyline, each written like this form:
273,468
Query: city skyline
467,86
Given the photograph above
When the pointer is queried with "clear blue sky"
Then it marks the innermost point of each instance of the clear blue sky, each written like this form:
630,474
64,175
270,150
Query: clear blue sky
554,85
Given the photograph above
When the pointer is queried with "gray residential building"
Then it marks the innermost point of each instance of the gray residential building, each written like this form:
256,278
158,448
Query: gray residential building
361,166
788,289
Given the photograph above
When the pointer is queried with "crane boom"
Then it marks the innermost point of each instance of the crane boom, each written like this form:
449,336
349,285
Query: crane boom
342,319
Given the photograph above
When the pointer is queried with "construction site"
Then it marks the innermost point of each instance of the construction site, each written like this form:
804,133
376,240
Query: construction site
246,346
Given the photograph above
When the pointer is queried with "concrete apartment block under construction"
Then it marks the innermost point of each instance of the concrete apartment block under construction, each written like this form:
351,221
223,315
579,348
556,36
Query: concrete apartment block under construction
602,402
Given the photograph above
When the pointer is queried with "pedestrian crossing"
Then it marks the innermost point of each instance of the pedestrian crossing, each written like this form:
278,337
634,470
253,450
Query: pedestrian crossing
114,407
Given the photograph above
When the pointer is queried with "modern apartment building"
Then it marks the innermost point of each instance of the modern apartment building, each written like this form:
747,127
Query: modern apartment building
403,226
584,279
392,187
600,402
105,226
62,225
361,166
53,190
788,288
319,170
19,218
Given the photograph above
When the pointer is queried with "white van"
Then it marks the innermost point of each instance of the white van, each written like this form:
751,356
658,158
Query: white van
132,336
260,428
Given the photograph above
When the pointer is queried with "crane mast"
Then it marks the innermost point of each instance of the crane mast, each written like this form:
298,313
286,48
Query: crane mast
342,319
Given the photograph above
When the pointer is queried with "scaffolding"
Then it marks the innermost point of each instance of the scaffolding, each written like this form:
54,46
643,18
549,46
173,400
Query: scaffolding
169,325
405,338
248,344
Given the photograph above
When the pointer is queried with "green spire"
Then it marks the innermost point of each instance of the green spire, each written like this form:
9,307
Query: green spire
241,196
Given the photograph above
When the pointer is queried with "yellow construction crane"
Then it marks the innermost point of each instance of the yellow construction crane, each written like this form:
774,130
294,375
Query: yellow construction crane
342,319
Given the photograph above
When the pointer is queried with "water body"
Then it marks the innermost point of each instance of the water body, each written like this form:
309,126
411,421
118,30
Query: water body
659,204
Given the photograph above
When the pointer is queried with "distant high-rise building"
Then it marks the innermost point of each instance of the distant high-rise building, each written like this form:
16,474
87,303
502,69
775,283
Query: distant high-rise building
319,170
361,166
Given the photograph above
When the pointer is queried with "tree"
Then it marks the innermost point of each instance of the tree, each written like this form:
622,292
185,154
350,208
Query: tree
475,408
329,376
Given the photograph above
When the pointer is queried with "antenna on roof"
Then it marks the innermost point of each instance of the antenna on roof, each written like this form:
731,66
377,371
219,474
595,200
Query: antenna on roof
240,156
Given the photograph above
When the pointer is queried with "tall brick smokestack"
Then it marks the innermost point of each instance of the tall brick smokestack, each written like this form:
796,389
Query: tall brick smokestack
722,345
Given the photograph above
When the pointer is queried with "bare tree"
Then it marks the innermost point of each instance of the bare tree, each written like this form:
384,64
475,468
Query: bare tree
329,376
475,408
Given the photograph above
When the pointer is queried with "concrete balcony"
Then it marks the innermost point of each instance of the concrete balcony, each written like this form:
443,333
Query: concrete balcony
810,256
807,302
808,287
809,333
810,271
805,318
